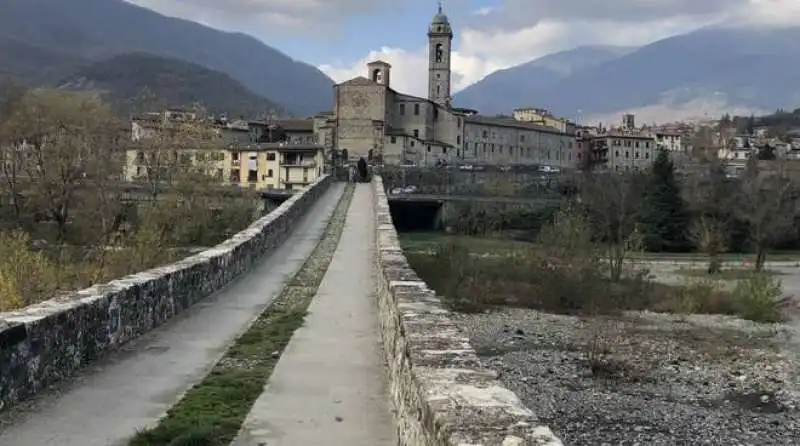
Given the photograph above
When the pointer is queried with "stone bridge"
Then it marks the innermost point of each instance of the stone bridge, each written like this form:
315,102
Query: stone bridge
377,361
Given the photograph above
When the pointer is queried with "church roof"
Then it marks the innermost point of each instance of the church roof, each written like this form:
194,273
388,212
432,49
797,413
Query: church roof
440,18
379,62
359,81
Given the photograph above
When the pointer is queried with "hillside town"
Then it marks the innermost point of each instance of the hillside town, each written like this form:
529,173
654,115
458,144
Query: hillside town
372,120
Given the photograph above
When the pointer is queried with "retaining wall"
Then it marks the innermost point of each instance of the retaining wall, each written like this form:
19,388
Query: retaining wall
44,343
442,394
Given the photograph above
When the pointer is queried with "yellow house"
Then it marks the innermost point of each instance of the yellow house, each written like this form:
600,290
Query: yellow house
276,165
253,165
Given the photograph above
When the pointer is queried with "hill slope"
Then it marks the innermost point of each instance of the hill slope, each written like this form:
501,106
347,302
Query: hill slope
125,79
501,91
97,29
707,71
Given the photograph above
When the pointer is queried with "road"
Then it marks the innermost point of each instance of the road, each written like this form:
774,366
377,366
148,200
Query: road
132,389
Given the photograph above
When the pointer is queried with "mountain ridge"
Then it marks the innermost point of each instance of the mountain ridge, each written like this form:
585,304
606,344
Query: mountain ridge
707,71
138,82
99,29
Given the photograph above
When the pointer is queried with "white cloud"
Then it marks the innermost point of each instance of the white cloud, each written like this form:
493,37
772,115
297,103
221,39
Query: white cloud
483,11
515,34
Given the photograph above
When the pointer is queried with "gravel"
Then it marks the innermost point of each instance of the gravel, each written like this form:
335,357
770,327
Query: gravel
646,378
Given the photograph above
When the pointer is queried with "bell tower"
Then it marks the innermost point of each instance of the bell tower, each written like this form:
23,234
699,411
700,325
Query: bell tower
440,44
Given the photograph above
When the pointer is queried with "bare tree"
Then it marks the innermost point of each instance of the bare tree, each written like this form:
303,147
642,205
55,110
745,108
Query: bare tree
167,152
710,196
11,186
613,202
767,201
61,137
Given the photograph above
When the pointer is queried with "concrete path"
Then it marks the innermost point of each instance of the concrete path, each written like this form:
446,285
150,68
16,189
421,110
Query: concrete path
328,388
130,390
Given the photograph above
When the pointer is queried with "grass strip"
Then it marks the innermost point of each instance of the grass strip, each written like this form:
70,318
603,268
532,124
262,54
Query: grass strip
212,412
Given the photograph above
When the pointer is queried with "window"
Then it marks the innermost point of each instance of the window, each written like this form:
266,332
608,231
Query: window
438,53
416,109
416,133
269,173
235,175
412,144
402,109
429,147
444,150
637,144
393,140
521,138
438,90
458,139
627,154
484,134
271,156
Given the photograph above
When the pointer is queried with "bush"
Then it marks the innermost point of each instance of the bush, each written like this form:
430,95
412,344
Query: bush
26,276
757,298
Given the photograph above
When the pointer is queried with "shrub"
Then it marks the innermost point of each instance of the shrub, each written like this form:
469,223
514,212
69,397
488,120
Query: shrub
757,298
26,276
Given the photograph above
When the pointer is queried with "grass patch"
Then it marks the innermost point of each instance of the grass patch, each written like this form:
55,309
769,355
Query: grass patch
726,274
469,284
501,244
429,241
211,412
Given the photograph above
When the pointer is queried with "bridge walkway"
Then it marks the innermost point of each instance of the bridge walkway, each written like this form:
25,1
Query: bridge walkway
329,385
132,389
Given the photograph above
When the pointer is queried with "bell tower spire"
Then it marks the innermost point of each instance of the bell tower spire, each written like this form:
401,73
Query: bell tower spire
440,44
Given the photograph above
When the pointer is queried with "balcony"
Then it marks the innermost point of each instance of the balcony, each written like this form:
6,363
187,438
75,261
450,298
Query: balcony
292,162
304,181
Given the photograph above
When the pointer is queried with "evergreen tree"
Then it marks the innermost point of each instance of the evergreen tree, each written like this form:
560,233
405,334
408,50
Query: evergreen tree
665,216
766,153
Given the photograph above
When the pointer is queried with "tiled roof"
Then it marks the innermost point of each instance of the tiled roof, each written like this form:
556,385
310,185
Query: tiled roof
359,81
509,122
296,125
274,146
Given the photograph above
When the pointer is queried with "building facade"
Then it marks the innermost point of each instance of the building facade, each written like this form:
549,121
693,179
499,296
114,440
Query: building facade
257,155
372,120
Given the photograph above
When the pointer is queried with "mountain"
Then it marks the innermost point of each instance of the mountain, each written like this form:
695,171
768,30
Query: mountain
709,71
98,29
127,82
34,64
500,92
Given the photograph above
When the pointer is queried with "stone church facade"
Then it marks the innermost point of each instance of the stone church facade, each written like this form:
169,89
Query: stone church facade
372,120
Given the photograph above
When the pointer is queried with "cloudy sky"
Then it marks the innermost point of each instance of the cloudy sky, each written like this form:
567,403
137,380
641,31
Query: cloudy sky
340,36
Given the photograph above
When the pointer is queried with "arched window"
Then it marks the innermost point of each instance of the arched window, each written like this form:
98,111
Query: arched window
377,75
439,52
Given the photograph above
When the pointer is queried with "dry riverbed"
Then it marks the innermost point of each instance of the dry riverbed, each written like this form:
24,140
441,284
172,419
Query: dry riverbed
645,378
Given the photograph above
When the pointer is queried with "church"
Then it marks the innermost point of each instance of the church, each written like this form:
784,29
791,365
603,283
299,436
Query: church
374,121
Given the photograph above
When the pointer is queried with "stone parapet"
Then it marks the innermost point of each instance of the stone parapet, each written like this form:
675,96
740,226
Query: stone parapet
441,393
44,343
